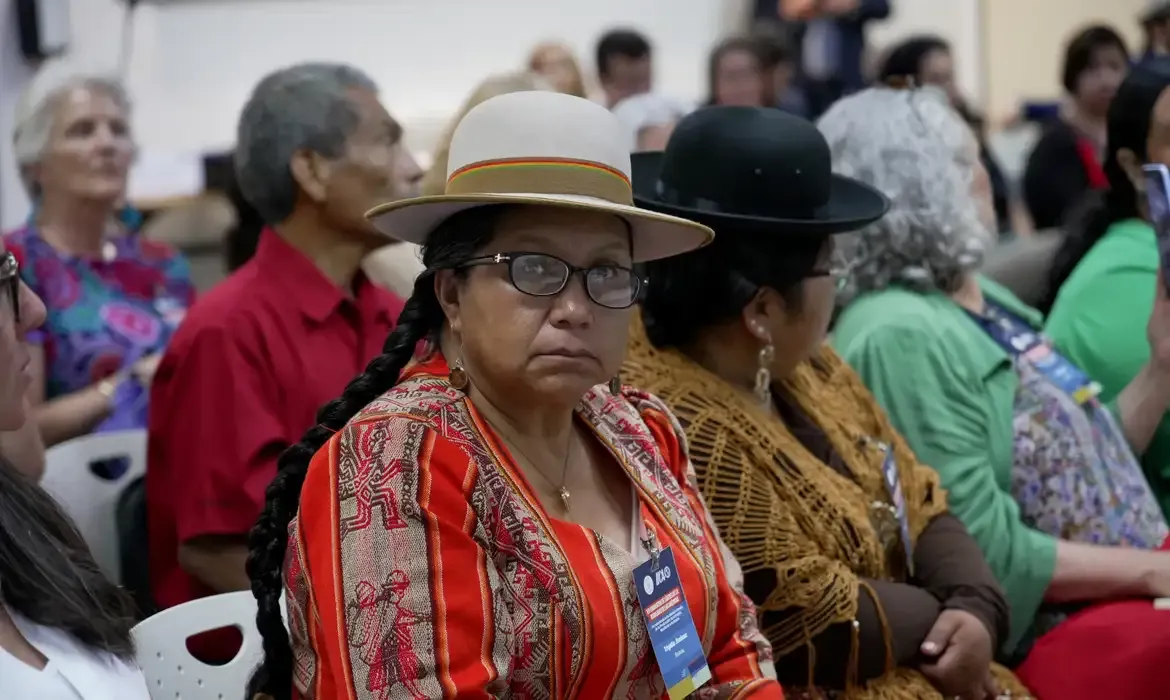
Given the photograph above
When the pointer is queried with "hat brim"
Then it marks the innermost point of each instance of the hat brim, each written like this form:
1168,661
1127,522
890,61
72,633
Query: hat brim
852,205
655,235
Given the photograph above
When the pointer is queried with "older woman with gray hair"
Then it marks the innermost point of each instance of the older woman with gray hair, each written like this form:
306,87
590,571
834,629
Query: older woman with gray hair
1042,473
113,298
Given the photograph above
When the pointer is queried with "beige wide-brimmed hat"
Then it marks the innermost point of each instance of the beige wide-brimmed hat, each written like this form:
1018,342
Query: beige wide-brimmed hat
545,149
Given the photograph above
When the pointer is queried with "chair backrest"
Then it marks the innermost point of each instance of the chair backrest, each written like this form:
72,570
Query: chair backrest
134,546
1023,264
91,500
170,669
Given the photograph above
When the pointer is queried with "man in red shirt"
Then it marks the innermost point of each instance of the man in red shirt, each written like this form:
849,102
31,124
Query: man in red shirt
255,358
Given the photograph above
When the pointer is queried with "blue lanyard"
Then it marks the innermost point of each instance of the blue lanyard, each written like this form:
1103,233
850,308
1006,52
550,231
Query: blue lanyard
1024,344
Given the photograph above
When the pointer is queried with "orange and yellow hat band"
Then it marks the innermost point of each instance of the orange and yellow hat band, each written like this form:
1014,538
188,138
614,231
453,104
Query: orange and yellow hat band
544,176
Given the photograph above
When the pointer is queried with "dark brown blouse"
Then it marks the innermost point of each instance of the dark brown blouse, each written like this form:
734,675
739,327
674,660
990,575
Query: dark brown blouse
950,572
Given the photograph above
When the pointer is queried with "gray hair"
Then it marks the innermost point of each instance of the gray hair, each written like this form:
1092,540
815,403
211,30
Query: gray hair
306,106
36,114
917,150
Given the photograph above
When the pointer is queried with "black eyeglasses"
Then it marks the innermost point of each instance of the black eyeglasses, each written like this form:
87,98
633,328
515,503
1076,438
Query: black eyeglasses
544,275
10,281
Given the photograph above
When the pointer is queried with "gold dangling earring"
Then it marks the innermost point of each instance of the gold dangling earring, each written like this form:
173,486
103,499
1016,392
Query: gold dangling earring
763,389
458,376
615,385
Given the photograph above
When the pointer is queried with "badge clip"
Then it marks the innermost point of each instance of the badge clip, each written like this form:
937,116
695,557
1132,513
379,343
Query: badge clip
650,544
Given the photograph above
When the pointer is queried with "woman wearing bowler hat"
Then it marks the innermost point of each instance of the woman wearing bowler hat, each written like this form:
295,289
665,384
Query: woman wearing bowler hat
867,587
494,515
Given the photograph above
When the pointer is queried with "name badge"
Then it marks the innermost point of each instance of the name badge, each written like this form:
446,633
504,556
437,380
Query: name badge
673,636
893,482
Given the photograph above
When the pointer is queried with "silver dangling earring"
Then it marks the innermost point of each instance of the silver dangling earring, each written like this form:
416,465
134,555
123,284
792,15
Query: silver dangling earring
763,389
458,377
615,385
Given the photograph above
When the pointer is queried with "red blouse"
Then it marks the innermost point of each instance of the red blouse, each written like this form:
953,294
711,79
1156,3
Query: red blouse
422,564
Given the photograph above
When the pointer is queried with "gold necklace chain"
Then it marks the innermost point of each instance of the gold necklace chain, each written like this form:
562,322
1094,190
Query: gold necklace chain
561,490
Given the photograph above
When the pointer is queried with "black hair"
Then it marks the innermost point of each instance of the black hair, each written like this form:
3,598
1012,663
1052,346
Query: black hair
735,44
1156,19
692,292
457,239
1078,55
774,50
1128,126
906,58
48,575
628,43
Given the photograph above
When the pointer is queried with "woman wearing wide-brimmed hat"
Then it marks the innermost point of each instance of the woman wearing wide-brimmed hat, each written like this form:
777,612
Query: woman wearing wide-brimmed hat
867,587
494,515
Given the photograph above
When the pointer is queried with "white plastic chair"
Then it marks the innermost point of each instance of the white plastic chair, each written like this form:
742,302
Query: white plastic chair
90,500
172,673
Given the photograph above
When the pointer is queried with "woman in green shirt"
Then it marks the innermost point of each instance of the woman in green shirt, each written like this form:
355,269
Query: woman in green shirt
1040,471
1108,264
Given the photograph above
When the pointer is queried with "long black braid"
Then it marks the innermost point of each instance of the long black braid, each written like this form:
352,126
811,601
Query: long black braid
459,238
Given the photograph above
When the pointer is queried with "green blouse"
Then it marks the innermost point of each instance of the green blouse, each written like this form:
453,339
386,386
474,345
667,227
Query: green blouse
950,390
1099,322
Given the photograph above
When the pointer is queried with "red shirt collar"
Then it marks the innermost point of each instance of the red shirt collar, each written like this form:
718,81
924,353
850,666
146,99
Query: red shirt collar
314,293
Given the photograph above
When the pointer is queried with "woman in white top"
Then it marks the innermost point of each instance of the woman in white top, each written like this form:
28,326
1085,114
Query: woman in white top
64,628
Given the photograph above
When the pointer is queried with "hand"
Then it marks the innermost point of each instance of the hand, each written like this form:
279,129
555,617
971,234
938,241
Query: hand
143,370
797,10
1158,328
958,656
1157,580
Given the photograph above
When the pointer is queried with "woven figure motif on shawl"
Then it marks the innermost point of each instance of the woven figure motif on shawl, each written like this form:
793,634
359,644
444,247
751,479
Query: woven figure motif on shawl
780,508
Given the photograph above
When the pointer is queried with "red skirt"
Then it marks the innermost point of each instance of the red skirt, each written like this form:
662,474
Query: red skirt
1116,650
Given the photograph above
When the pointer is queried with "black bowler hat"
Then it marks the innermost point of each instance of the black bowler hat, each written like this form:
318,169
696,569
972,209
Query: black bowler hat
753,169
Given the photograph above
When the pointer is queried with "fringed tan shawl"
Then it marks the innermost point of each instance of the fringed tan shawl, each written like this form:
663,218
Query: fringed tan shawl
779,507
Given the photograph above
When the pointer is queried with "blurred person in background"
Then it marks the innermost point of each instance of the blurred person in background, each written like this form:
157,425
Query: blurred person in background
831,38
736,74
1040,470
779,64
625,65
1155,21
260,353
556,63
113,298
648,120
1065,163
1104,274
396,266
928,60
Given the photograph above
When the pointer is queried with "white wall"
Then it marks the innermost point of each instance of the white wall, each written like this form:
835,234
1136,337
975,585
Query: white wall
194,61
1017,70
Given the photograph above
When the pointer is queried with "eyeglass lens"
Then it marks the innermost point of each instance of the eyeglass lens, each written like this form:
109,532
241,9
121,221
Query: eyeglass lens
544,275
10,279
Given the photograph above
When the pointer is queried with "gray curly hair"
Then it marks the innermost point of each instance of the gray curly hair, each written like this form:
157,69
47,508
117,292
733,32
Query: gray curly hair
917,150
